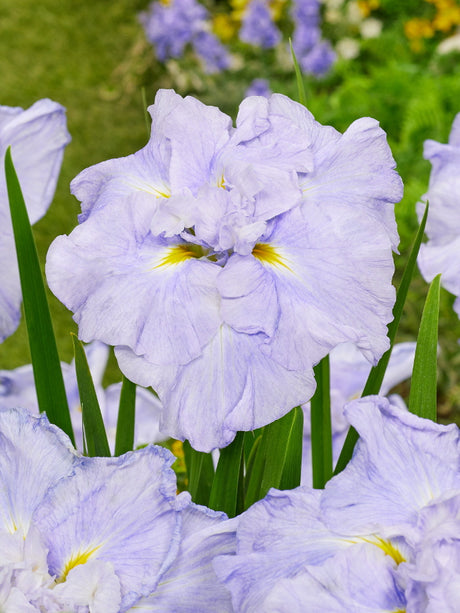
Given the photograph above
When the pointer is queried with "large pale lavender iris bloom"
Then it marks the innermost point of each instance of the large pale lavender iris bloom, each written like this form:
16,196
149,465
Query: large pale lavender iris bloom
37,137
199,255
99,534
441,254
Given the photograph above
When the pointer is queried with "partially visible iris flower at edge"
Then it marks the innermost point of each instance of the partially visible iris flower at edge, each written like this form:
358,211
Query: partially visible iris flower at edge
441,254
223,263
37,137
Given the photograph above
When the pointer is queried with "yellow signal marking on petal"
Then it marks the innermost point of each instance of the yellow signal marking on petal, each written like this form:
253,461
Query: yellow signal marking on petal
141,186
387,547
12,528
179,254
221,182
79,558
268,254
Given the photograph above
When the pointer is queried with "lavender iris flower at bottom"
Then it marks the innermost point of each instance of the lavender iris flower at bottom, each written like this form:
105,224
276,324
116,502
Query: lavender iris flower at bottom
441,254
37,137
348,374
99,534
376,539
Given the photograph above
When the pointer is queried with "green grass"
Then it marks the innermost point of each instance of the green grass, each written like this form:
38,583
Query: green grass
91,56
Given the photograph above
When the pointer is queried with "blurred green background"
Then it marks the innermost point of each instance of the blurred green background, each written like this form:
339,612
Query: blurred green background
92,57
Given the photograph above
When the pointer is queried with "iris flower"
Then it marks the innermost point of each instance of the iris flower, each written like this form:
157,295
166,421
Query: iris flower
258,27
171,26
100,534
441,253
37,137
378,538
223,263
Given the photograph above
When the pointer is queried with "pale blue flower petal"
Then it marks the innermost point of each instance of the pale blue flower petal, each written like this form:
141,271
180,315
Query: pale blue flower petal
277,537
401,464
443,224
432,575
435,259
197,135
361,579
7,113
143,175
37,137
34,455
10,287
441,253
231,386
134,296
118,510
94,585
354,169
191,585
25,558
249,296
268,137
349,370
317,295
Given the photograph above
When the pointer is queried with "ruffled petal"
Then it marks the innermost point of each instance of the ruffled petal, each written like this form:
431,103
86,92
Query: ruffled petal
117,510
127,287
401,464
191,584
37,137
34,456
231,386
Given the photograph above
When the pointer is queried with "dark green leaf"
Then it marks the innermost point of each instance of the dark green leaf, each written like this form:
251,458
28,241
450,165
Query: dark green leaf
49,383
423,397
278,457
251,455
227,487
299,77
95,436
321,433
290,477
200,470
377,373
124,440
